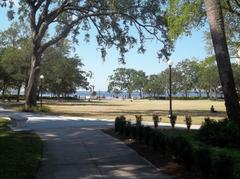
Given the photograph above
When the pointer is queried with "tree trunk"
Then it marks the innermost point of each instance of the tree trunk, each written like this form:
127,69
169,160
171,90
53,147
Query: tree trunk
3,93
207,92
215,92
18,91
32,87
26,84
129,95
216,23
140,93
58,97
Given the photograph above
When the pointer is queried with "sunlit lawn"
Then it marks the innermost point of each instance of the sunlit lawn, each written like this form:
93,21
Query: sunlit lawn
109,109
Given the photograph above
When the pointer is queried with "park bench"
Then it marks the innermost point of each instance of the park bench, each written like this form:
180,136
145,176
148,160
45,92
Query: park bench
18,121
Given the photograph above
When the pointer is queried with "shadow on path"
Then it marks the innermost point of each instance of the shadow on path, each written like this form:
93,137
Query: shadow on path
89,153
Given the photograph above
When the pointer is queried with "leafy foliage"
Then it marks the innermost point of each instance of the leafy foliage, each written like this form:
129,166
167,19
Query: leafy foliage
189,70
156,119
183,16
188,121
125,79
113,21
189,150
138,120
63,74
222,133
120,124
173,119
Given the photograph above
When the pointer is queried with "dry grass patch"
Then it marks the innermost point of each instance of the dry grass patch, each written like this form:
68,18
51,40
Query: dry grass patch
109,109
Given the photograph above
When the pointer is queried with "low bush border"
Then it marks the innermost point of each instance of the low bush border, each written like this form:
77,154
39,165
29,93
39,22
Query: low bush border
189,150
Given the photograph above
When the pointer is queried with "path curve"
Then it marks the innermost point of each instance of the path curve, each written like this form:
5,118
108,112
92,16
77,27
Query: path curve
76,148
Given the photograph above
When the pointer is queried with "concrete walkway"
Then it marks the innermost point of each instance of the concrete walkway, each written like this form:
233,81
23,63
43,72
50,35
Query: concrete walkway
72,153
76,148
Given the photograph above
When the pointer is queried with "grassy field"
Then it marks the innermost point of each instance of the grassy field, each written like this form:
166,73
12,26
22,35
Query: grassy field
20,153
109,109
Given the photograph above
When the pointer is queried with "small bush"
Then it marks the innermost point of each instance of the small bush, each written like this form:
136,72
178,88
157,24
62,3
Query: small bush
120,124
173,119
207,119
188,121
140,133
156,120
153,140
127,129
162,142
133,129
138,120
34,109
184,152
147,131
221,133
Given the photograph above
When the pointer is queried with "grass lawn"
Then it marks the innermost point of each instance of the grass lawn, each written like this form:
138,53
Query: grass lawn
20,153
109,109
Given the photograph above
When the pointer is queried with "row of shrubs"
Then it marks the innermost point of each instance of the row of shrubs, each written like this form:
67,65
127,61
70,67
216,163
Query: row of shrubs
223,133
189,151
173,118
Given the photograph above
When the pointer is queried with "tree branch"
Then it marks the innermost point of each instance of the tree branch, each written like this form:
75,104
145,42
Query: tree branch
230,8
60,36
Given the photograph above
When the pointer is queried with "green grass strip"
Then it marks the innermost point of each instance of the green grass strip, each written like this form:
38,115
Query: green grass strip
20,153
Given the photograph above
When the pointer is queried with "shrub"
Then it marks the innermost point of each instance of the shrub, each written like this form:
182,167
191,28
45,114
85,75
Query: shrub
147,132
207,119
184,152
138,120
204,161
140,133
173,119
127,129
188,121
153,139
156,120
120,124
222,167
162,142
221,133
133,131
117,124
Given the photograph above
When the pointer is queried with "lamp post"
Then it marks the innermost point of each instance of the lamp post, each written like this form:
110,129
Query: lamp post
170,63
41,79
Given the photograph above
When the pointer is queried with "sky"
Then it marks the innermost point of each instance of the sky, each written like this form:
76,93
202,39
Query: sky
186,47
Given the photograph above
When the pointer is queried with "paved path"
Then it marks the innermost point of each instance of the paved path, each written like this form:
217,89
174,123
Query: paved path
75,148
40,121
72,153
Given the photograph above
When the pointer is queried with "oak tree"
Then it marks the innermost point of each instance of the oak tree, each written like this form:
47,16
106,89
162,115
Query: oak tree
113,20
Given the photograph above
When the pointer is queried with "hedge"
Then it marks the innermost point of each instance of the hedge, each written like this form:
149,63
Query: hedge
187,148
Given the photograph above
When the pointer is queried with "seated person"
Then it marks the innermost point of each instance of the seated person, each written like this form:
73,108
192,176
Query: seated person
212,109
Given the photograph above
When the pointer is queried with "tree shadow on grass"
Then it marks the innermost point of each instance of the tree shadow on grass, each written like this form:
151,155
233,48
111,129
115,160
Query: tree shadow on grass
115,113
